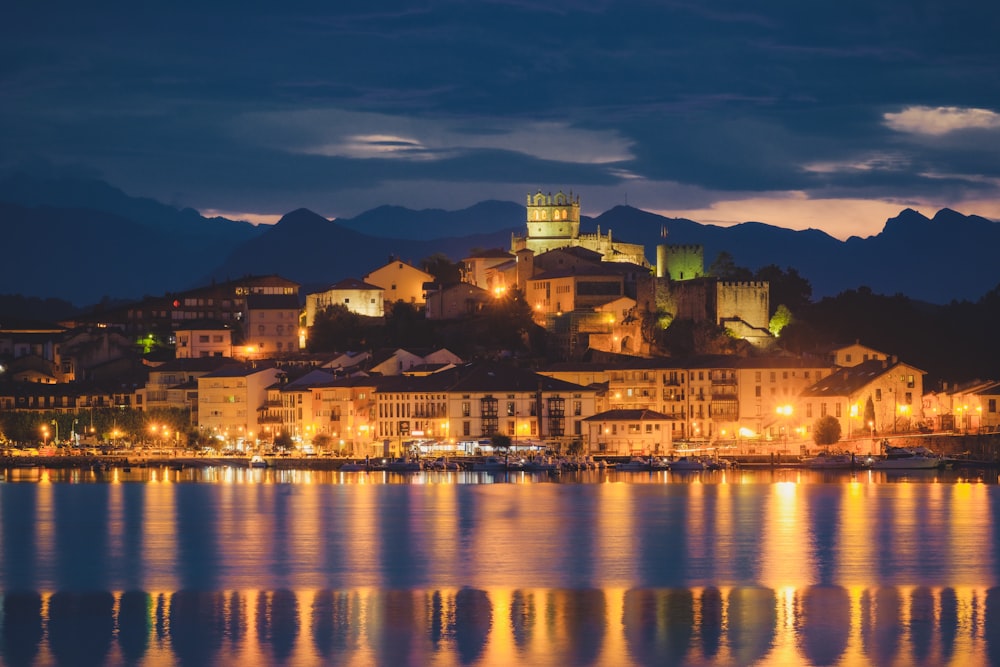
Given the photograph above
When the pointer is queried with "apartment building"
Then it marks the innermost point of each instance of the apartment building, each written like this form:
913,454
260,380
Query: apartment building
229,399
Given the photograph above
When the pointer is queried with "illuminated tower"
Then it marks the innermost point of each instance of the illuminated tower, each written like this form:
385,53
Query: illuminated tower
553,217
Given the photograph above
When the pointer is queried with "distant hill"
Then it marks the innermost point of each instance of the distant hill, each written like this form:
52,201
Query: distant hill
84,241
317,252
485,217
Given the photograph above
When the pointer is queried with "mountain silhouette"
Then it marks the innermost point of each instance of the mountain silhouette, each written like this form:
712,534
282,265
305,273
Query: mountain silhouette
84,240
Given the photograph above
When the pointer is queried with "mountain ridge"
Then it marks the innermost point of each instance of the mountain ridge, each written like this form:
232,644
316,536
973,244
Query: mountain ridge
73,249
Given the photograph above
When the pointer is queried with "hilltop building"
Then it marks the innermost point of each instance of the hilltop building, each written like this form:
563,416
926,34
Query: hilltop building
553,221
356,295
401,282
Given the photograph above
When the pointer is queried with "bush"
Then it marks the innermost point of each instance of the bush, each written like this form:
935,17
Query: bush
826,431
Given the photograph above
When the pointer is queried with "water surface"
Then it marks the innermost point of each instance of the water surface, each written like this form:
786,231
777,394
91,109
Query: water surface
228,565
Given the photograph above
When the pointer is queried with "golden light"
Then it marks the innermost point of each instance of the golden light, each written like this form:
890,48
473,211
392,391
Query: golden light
784,410
746,432
854,410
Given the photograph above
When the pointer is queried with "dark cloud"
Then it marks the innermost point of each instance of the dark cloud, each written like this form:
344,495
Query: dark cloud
344,107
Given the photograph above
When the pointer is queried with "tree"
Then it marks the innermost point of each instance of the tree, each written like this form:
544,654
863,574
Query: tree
283,440
445,271
500,442
337,329
322,441
724,268
786,287
826,431
870,414
782,318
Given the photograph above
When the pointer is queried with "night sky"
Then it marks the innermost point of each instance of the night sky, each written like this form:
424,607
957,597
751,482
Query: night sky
832,115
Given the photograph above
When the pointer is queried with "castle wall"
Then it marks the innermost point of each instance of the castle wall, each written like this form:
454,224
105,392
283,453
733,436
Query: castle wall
746,301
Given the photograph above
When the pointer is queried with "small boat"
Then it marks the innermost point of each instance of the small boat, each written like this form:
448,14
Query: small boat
686,464
829,461
354,466
907,458
442,463
539,464
404,465
490,464
635,464
258,462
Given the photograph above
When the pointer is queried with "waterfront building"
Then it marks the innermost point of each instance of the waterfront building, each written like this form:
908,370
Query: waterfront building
174,384
475,401
229,399
888,390
271,328
629,432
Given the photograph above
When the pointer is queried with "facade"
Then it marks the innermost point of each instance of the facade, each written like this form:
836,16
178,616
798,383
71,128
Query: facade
852,355
229,399
475,401
894,390
203,341
356,295
174,384
400,282
456,301
629,433
478,269
271,327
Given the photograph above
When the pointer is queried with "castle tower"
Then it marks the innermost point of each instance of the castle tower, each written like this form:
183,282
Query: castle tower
680,262
553,217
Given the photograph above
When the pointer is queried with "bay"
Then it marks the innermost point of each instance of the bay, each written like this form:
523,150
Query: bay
228,565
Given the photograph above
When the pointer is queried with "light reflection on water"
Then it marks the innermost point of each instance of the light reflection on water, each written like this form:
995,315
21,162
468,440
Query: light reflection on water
226,565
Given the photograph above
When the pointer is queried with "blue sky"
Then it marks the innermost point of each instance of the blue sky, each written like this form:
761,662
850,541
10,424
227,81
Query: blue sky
831,115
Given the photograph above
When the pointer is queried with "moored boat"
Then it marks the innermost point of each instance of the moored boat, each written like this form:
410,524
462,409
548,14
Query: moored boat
258,462
829,461
686,464
404,465
907,458
490,464
635,464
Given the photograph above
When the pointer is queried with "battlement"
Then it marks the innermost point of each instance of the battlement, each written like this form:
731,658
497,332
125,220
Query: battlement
744,284
559,199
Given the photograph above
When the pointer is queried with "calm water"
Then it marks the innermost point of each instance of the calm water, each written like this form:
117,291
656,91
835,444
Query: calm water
226,566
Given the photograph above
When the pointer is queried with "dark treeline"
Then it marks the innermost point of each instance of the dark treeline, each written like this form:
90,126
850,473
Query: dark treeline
954,342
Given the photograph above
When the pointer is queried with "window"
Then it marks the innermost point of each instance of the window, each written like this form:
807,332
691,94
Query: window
756,391
465,410
809,410
991,405
878,394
